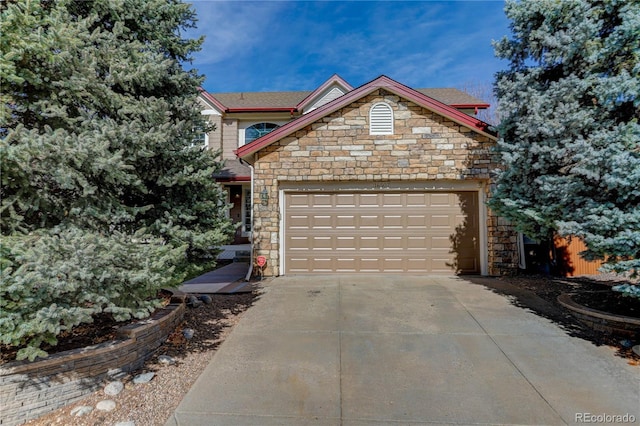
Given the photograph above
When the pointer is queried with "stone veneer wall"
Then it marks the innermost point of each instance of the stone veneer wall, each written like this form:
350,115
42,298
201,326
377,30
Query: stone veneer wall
424,147
29,390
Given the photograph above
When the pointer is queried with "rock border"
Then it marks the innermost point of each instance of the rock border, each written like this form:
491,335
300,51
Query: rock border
599,320
29,390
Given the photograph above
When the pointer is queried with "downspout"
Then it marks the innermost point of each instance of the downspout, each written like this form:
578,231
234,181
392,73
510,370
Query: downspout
248,277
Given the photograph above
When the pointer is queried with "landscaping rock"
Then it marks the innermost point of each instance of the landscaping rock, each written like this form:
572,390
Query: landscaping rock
187,333
113,388
143,378
206,299
106,405
193,301
116,374
81,410
626,343
166,359
127,423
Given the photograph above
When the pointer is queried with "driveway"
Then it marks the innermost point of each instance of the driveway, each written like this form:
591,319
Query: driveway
384,349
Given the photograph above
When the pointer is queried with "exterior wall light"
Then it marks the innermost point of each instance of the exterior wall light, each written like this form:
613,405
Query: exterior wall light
264,197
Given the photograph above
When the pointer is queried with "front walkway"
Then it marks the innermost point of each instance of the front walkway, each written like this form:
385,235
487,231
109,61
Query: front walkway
227,279
378,350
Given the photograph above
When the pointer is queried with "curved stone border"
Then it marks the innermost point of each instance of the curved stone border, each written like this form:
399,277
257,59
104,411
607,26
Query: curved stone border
29,390
599,320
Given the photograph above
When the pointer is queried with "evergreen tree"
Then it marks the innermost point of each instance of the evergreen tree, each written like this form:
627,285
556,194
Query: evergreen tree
569,134
97,133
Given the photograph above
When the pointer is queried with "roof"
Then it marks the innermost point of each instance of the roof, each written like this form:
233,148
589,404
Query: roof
454,97
294,100
243,100
384,82
233,171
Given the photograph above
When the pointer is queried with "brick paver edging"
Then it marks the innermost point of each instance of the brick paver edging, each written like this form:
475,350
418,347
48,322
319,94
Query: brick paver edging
599,320
31,389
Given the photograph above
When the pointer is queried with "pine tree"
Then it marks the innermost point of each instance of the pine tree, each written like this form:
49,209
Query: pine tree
97,133
569,134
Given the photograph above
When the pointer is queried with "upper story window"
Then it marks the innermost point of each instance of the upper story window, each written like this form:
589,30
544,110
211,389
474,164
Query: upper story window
252,133
200,138
381,119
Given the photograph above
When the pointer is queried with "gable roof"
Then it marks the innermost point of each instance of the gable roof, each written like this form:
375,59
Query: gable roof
335,81
299,100
382,82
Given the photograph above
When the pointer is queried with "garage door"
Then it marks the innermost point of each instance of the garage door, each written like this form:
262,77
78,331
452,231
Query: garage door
407,232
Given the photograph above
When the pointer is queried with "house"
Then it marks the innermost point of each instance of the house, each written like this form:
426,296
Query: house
378,178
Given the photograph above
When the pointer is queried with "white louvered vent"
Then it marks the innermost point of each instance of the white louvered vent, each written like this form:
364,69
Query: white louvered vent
333,94
381,119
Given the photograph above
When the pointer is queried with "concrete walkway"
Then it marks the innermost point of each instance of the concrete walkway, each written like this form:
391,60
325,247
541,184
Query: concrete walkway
374,350
227,279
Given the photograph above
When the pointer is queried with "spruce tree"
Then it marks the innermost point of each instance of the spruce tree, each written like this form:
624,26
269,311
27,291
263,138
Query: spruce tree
569,142
105,195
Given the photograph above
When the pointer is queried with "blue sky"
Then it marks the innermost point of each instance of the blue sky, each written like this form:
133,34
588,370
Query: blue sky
297,45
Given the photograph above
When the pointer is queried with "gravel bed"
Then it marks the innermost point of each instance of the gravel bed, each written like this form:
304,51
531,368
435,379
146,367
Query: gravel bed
153,403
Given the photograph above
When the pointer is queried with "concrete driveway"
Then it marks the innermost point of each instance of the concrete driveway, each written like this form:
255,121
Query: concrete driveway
384,349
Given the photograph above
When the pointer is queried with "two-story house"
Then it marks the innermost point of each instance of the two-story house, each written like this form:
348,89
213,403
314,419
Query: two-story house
378,178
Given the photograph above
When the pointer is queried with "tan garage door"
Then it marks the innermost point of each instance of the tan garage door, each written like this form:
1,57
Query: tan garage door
408,232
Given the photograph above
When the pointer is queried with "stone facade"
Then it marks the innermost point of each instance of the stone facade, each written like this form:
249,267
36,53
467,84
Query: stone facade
425,147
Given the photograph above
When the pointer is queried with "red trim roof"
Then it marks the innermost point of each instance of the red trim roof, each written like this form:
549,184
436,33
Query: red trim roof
212,100
383,82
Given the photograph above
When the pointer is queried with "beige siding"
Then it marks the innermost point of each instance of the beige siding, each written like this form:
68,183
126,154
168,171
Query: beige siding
229,138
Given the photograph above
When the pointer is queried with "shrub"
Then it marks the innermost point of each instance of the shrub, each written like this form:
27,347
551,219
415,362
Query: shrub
55,280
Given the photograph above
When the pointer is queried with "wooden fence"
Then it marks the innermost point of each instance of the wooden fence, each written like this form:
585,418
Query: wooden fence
568,258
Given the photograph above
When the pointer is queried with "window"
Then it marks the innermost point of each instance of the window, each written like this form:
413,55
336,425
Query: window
252,133
381,119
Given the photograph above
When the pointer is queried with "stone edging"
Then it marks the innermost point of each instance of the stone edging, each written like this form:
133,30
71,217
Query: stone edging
29,390
599,320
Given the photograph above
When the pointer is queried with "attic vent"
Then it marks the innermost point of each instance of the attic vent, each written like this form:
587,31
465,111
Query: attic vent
381,119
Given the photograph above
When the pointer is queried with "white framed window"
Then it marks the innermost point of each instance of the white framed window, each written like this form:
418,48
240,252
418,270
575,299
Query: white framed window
252,133
381,119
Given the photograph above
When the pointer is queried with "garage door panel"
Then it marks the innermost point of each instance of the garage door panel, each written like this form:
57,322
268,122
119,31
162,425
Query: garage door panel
411,232
369,221
441,221
416,200
416,242
346,200
345,243
390,243
322,221
441,200
393,200
299,223
346,221
369,243
368,200
417,221
393,221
